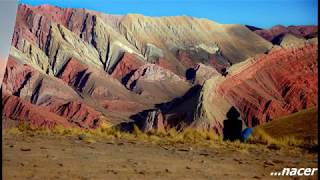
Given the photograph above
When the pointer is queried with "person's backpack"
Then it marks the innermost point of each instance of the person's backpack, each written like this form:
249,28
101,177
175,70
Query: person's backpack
246,134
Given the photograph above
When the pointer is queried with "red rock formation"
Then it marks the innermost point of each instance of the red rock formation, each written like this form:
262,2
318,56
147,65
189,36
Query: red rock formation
65,109
126,65
279,83
18,109
71,70
15,77
77,113
33,23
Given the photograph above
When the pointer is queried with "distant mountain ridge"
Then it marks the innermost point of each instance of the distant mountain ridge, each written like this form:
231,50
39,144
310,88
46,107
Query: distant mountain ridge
307,31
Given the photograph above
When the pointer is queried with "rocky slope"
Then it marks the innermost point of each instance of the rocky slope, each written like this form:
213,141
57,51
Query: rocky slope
102,40
82,67
263,88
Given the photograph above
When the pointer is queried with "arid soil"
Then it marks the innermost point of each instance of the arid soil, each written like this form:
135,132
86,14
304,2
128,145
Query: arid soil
60,157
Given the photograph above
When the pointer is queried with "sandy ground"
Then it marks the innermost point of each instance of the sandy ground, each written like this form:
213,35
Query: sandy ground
55,157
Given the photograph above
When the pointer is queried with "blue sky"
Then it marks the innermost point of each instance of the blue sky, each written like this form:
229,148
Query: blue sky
261,13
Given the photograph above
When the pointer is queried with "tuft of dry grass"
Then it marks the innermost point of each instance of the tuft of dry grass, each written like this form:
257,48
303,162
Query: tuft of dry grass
106,131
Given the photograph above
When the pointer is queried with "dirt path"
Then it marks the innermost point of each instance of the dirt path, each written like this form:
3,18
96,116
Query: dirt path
56,157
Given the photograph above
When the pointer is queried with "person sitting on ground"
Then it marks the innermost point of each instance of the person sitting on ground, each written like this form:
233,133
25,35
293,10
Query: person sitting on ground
233,127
